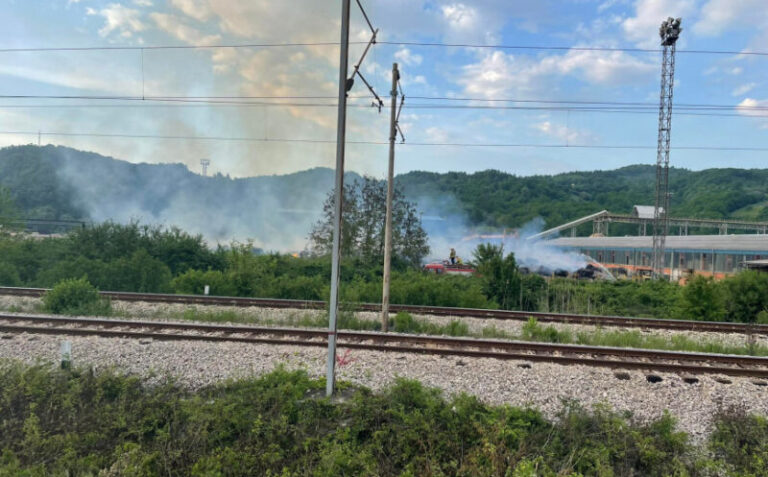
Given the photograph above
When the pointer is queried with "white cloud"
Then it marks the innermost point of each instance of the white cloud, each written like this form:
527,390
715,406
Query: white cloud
436,134
174,26
78,78
125,21
143,3
643,28
197,9
564,133
406,57
460,17
746,107
608,4
499,74
718,16
744,89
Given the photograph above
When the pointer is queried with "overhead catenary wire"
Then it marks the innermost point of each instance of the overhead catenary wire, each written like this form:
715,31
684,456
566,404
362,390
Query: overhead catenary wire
375,143
391,43
746,114
244,100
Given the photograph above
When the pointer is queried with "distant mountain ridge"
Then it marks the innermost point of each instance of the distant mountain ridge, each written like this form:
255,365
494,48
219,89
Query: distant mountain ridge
278,211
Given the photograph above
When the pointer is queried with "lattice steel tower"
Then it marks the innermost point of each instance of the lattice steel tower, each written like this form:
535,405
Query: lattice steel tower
669,32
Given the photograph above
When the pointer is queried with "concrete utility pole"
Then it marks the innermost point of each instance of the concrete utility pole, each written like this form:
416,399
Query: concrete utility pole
390,193
338,197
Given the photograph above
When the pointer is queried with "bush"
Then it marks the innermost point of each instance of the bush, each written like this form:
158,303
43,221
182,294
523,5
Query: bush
741,440
9,275
701,299
78,422
193,282
747,295
76,297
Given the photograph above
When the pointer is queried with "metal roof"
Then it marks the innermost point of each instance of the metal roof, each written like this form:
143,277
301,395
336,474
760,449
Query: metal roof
736,243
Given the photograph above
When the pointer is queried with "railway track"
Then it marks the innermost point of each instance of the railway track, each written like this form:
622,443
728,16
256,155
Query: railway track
619,358
614,321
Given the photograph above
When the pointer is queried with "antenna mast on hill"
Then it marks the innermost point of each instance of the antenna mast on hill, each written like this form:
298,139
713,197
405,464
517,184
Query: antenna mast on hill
669,33
205,163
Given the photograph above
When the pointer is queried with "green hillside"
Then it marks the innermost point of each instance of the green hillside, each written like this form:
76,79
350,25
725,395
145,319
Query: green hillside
499,199
62,183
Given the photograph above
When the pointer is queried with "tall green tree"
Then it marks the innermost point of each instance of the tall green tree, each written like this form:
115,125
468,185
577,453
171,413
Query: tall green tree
362,236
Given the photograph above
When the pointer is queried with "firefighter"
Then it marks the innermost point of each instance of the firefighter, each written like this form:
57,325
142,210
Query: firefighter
453,256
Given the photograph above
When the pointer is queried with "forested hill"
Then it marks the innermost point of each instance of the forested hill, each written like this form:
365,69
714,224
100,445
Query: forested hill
278,211
499,199
63,183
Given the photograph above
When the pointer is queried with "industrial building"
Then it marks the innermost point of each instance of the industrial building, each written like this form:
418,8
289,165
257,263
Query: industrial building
709,255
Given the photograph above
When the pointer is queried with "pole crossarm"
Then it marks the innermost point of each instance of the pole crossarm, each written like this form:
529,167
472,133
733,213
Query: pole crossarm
356,69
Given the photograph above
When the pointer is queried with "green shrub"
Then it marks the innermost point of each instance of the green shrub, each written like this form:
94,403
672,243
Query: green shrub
747,295
405,323
740,440
78,422
9,275
701,299
193,282
76,297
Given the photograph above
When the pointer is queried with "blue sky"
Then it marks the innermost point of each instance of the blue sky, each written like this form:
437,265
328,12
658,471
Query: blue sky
482,73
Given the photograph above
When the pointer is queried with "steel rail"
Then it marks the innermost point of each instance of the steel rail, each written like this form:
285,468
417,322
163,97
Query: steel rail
598,320
670,361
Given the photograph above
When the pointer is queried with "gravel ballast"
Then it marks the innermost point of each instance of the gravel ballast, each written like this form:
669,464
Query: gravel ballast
539,385
287,316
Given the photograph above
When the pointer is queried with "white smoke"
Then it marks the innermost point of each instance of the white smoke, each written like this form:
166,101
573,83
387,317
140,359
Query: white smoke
447,228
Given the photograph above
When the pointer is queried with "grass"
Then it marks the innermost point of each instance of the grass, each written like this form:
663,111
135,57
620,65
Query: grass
406,323
533,331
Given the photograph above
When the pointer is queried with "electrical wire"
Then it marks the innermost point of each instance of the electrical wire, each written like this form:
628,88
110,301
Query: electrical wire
243,100
392,43
379,143
570,48
179,103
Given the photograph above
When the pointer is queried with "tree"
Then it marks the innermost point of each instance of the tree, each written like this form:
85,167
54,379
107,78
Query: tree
501,278
362,234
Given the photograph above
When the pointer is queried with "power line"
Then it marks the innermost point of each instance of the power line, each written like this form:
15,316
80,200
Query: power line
379,143
392,43
612,103
169,47
418,106
240,100
570,48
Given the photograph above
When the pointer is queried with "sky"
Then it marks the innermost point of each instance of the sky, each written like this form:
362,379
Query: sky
464,76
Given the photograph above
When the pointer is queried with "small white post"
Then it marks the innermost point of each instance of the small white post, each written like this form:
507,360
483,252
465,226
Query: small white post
66,354
207,290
